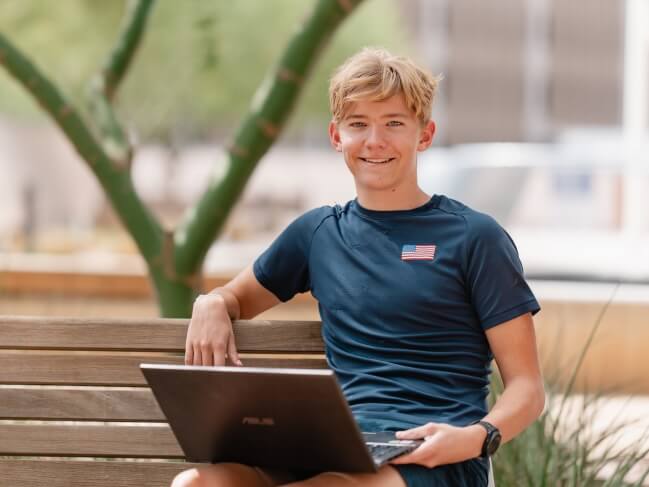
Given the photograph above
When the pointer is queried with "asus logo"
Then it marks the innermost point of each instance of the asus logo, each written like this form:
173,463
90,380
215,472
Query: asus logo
258,421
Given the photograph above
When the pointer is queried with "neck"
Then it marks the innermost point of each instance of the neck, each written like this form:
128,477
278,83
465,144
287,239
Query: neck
392,200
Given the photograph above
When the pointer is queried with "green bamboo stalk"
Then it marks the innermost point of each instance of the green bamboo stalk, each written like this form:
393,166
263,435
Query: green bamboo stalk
270,109
103,86
116,182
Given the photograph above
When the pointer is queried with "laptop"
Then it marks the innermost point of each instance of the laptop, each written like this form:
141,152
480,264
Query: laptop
290,419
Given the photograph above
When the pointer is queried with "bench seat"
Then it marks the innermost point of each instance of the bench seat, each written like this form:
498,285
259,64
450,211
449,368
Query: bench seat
75,409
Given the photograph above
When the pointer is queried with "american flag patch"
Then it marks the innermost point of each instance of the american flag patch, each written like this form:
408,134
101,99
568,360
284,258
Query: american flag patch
418,252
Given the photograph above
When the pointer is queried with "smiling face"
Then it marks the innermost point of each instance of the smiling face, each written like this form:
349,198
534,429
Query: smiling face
379,141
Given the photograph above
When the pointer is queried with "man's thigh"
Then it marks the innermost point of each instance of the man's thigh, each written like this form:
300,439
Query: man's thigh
387,476
230,475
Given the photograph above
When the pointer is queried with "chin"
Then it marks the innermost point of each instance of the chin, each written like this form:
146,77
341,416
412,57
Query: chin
373,185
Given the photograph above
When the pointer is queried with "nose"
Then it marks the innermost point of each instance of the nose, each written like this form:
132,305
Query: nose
375,137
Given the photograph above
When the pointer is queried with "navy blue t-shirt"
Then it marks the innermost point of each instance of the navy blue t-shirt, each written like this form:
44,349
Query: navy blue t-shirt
404,298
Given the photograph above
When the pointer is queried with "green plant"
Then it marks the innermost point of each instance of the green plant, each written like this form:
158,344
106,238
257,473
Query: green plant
564,448
174,256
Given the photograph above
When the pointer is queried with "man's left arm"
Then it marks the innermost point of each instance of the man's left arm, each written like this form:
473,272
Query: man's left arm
513,344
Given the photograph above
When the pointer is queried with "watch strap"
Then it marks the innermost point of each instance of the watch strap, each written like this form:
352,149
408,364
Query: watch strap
492,432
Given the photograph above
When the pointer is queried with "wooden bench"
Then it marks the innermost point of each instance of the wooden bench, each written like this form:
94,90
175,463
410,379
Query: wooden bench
75,409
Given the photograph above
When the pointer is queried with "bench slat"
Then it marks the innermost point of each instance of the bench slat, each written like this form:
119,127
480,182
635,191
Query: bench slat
110,368
58,473
32,332
118,440
79,403
82,363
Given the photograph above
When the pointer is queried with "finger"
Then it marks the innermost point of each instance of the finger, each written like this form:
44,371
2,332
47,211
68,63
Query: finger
417,433
232,351
197,356
408,434
413,433
403,459
220,354
422,455
415,456
189,352
219,358
207,355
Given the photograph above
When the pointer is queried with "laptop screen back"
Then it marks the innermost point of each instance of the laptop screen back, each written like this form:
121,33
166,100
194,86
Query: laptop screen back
292,419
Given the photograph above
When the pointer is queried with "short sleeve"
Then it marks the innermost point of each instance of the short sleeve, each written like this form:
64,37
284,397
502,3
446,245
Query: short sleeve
494,273
283,268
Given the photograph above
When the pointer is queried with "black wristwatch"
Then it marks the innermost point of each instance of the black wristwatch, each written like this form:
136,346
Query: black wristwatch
492,441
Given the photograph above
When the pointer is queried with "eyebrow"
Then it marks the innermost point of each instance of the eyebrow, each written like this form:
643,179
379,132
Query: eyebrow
387,115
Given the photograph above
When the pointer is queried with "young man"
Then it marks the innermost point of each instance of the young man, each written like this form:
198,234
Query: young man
416,294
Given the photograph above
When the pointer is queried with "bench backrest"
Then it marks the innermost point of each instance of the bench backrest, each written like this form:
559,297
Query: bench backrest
75,409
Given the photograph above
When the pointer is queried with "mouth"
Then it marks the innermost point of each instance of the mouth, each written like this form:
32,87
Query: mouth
377,161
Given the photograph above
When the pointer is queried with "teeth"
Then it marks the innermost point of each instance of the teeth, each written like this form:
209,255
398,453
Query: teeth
377,161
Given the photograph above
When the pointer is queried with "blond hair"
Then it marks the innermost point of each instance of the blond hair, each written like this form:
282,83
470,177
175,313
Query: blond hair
375,74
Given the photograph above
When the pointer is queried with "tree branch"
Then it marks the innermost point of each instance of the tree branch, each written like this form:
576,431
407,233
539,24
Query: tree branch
129,38
113,139
140,223
103,86
271,107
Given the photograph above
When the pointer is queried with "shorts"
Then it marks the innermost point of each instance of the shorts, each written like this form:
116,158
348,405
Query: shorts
470,473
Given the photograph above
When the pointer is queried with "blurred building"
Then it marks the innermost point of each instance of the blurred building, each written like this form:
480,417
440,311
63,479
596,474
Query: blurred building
521,70
541,71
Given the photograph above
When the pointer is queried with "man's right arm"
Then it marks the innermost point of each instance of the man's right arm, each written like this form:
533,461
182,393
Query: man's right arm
210,338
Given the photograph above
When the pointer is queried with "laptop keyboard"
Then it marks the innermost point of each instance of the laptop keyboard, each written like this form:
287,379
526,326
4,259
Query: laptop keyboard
384,452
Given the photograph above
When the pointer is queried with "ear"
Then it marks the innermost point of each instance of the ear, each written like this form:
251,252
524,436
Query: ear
334,136
426,136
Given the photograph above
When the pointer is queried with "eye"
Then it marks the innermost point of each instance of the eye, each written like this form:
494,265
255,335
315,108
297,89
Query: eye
395,123
357,124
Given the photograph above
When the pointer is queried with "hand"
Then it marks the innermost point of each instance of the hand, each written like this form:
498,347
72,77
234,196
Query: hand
210,339
443,444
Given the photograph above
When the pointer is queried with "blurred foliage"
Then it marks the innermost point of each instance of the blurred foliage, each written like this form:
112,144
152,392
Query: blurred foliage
200,62
562,448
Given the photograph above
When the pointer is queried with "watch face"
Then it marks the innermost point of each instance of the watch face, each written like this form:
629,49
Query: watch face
494,443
